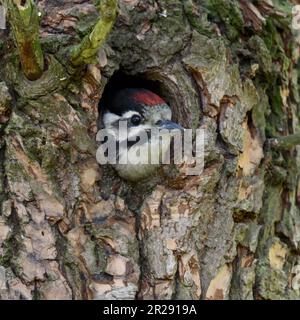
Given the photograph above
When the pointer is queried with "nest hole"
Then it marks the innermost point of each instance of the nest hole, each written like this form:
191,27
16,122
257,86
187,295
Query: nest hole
151,81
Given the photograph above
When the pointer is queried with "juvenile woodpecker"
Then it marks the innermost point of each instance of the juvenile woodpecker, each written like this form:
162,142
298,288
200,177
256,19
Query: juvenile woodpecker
145,114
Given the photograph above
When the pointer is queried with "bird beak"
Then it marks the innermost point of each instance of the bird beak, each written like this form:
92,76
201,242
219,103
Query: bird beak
170,125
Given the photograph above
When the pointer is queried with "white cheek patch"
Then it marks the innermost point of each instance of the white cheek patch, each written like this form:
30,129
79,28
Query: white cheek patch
132,133
110,118
139,130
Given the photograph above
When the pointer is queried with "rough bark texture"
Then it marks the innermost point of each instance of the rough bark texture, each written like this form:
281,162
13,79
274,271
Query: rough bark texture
70,229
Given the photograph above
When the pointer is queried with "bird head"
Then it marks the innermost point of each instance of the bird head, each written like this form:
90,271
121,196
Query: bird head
142,111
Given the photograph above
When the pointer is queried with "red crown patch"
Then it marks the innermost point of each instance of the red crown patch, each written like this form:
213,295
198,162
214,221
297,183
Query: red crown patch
148,98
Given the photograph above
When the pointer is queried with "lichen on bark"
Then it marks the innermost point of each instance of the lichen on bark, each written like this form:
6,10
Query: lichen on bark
24,19
87,50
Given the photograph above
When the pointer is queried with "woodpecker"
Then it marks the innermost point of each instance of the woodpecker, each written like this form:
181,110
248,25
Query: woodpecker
144,114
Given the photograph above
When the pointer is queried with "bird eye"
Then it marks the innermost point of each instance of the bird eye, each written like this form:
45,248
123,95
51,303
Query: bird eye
136,120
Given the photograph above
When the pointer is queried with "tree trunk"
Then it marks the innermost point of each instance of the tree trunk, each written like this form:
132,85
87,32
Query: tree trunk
71,229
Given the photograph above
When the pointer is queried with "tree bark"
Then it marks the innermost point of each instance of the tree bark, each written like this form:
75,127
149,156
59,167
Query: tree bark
71,229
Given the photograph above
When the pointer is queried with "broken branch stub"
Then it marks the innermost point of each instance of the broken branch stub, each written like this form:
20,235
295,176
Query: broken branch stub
24,20
87,50
285,143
